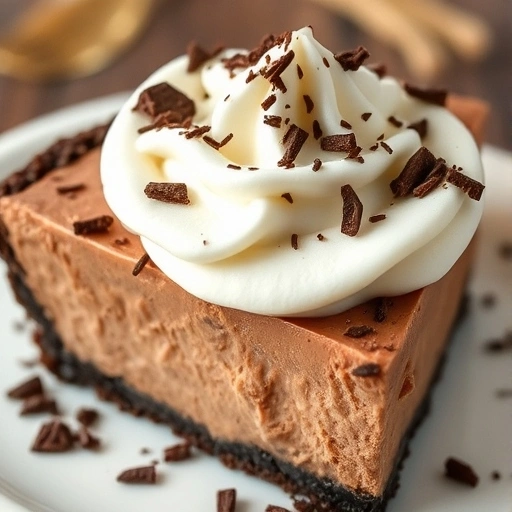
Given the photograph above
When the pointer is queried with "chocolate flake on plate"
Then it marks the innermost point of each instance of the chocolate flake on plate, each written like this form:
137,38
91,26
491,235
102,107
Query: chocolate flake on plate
359,331
197,56
352,60
435,177
317,163
460,472
37,404
87,440
345,124
435,96
317,130
163,98
139,266
341,143
216,144
367,370
421,127
26,389
366,116
86,416
90,226
268,102
414,172
177,452
274,121
293,141
309,103
68,189
226,500
197,132
295,241
395,122
377,218
174,193
471,187
53,437
140,475
288,197
352,211
300,73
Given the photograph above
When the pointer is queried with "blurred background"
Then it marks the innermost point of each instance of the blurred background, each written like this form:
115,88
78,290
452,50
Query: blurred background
463,45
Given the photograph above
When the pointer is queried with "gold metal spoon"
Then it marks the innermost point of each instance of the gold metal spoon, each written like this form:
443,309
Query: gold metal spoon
57,39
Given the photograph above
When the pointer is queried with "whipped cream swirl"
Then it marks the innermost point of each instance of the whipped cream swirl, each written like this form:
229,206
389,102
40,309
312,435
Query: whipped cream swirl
232,245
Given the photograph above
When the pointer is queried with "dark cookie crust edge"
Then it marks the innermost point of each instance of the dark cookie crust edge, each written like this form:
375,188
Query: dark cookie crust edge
325,495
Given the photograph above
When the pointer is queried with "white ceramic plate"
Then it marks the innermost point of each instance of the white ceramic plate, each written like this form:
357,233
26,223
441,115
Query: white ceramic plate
467,420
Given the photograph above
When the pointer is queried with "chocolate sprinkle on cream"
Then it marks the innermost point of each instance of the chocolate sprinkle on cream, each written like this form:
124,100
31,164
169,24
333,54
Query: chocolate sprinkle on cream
250,76
26,389
197,56
367,370
177,452
293,141
300,73
163,98
366,116
53,437
71,188
421,127
274,70
309,103
377,218
140,475
295,241
317,131
386,147
326,63
460,472
352,211
37,404
359,331
197,132
340,143
374,147
395,122
433,180
87,417
352,60
226,500
288,197
415,171
99,224
317,163
345,124
215,144
233,166
435,96
380,137
274,121
173,193
139,266
320,237
471,187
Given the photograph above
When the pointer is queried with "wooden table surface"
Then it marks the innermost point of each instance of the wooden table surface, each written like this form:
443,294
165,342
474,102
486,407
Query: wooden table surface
241,23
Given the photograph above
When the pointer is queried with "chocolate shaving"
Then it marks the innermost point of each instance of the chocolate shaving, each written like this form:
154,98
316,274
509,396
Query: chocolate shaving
268,102
226,500
352,211
326,63
274,121
386,147
395,122
87,417
197,132
435,177
378,68
367,370
250,76
317,163
415,171
99,224
295,241
366,116
166,120
197,56
275,508
215,144
87,440
288,197
435,96
26,389
177,452
377,218
374,147
345,124
469,186
233,166
300,73
274,71
381,309
354,153
460,472
68,189
309,103
352,60
38,404
139,266
320,237
317,131
173,193
140,475
341,143
359,331
53,437
380,137
293,141
421,127
163,98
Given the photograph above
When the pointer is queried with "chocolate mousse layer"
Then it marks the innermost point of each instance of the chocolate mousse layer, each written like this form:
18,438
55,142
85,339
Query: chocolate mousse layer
321,406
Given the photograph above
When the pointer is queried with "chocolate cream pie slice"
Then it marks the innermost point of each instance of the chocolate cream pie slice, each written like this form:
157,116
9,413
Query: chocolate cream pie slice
253,259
